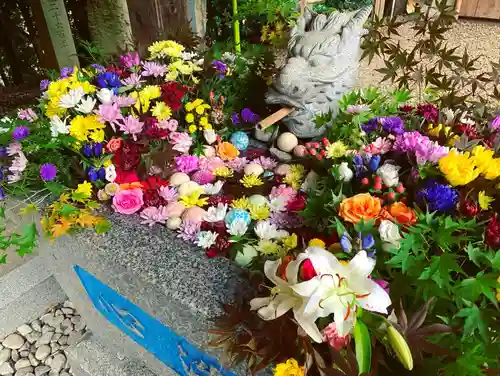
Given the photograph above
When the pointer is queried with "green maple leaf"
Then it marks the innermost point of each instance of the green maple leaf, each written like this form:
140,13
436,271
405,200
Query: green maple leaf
3,259
470,289
22,251
476,254
474,320
67,210
440,269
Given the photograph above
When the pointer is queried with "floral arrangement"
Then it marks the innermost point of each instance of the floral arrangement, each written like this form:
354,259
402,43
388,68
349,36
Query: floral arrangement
394,210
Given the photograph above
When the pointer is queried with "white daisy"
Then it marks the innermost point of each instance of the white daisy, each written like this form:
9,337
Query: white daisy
212,189
267,230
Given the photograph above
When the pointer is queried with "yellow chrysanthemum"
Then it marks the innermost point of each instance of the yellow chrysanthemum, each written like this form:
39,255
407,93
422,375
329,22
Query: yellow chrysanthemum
297,169
193,199
80,126
240,203
200,110
58,88
295,176
207,127
162,111
192,128
259,212
97,135
223,172
250,181
484,200
493,170
268,247
84,189
197,102
171,75
459,169
203,121
165,48
482,157
107,163
189,118
189,107
336,150
86,86
290,242
317,243
53,108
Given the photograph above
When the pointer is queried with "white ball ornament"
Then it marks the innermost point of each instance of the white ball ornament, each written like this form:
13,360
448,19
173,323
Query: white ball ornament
185,189
287,141
257,200
178,178
174,223
253,169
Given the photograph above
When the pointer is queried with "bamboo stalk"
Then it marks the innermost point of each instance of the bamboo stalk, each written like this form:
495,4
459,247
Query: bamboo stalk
273,118
236,27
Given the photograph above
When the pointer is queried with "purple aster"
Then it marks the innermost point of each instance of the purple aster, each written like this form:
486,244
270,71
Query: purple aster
267,163
189,230
27,114
3,152
438,197
237,164
98,67
495,124
394,125
286,219
44,84
219,66
154,69
2,194
203,177
65,72
249,117
345,242
48,172
235,118
430,152
20,132
371,125
186,163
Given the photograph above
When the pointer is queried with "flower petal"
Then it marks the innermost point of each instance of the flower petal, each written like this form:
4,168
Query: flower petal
306,288
307,322
377,301
292,270
257,303
361,264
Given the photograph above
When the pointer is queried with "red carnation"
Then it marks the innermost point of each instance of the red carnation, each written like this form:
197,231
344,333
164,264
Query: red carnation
469,208
154,182
128,157
125,177
152,130
307,271
153,198
172,94
298,203
492,236
215,200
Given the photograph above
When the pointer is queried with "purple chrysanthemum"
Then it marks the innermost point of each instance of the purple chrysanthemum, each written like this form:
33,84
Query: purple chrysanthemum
371,125
495,124
65,72
48,172
393,124
44,84
203,177
438,197
186,163
98,67
20,132
189,231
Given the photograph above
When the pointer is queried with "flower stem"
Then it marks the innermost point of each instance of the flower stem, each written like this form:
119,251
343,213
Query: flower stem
236,27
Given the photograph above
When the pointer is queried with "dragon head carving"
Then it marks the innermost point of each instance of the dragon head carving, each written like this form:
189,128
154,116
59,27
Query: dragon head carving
322,64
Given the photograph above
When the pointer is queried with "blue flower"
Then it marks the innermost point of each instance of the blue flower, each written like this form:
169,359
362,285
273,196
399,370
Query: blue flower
98,67
20,132
109,80
44,84
367,241
235,118
3,151
359,165
374,163
65,72
97,149
2,194
101,173
87,150
249,117
371,125
92,174
393,125
439,197
345,242
219,66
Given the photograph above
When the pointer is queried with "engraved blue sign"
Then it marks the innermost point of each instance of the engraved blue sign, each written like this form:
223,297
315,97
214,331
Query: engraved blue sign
173,350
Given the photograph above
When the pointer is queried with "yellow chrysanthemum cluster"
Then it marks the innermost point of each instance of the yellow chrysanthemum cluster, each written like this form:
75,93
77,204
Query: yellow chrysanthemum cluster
295,177
462,168
162,111
145,96
165,48
181,67
290,368
193,199
57,89
88,127
197,114
250,181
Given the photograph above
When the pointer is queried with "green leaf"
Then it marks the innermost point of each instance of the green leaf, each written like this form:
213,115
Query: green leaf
363,347
67,209
28,237
2,212
24,251
474,322
339,227
102,226
3,259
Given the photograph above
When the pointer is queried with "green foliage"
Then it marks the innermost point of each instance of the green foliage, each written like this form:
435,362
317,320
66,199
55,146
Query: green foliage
431,66
22,242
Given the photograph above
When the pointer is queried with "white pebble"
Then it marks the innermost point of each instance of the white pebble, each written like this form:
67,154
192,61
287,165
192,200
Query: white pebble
41,370
58,363
24,371
14,355
34,361
67,311
33,336
287,141
47,328
42,352
24,353
6,369
4,356
22,363
45,339
13,341
68,304
36,325
24,329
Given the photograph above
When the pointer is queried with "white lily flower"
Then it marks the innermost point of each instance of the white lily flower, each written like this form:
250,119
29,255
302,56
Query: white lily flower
58,126
71,99
237,227
267,230
212,189
105,96
339,289
86,105
215,213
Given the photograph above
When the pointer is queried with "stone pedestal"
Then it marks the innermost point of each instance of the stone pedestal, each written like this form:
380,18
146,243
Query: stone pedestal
147,294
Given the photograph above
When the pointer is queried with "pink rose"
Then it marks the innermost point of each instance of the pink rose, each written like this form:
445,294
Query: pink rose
175,209
128,201
333,338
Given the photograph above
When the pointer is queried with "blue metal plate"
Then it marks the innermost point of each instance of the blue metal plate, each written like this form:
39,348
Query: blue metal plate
173,350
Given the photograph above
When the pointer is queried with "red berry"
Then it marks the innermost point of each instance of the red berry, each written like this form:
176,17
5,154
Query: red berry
378,179
377,186
391,195
316,144
323,153
325,142
320,157
364,181
308,144
400,188
312,152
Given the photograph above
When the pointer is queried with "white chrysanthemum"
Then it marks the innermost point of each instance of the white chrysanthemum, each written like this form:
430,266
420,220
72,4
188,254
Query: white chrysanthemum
86,105
105,96
267,230
237,227
216,213
58,126
71,99
278,204
212,189
206,239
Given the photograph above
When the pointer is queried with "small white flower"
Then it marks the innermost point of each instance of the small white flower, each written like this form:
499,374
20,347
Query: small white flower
246,255
206,239
278,204
210,136
345,173
389,233
58,126
267,230
71,99
238,227
105,96
212,189
110,173
86,105
216,213
389,174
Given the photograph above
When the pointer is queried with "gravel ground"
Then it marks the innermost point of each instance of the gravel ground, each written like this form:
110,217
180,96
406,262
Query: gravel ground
480,37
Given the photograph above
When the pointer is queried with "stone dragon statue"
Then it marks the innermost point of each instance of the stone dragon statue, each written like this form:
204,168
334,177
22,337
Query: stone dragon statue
323,61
